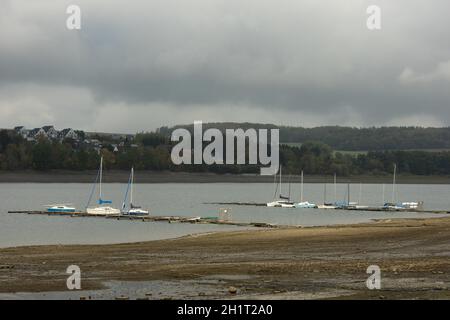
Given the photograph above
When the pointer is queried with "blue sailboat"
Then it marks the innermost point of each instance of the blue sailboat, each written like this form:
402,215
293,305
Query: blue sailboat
60,208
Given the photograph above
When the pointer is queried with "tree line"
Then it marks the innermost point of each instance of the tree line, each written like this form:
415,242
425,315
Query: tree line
151,151
350,138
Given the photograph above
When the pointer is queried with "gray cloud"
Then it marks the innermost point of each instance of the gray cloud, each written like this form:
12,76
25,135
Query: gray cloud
141,64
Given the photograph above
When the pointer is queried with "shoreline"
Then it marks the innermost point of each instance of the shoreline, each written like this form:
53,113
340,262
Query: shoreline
291,263
200,234
117,176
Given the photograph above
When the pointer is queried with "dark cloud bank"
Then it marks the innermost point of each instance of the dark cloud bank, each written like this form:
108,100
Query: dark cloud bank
142,64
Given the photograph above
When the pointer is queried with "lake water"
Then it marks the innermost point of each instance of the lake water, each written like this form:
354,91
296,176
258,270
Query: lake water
186,200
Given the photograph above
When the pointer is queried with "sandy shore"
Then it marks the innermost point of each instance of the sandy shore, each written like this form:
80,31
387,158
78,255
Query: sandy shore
62,176
319,262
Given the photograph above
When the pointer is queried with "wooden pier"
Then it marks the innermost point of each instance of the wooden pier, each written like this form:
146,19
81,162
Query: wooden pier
380,209
150,218
351,208
254,204
216,220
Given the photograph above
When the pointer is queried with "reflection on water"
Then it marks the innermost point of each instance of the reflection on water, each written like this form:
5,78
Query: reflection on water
186,200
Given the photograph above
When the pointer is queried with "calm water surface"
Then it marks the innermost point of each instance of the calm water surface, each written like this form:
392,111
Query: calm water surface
185,200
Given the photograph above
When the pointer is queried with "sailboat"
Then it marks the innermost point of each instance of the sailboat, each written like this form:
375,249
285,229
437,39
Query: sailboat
283,201
414,205
302,203
327,205
346,204
60,208
101,209
133,210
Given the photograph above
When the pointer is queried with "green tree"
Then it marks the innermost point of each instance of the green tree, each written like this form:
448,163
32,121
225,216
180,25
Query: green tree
42,152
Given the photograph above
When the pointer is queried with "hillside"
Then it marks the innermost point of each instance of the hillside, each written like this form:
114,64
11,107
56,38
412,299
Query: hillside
351,138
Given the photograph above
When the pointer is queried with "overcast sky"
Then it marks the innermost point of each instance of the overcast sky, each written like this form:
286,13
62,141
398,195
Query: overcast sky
138,65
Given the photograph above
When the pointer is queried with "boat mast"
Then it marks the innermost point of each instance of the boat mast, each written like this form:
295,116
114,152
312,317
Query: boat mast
360,192
289,194
100,181
335,189
281,189
276,187
131,190
301,188
126,193
393,183
348,194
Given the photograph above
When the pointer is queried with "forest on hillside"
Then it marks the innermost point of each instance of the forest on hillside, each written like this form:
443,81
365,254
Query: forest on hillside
151,151
350,138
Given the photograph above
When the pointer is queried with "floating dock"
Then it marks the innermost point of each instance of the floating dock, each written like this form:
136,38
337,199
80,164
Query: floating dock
150,218
350,208
253,204
217,220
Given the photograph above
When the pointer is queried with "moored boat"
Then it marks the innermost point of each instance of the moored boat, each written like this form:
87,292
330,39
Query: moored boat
60,208
282,201
394,205
101,209
326,206
133,210
404,206
303,204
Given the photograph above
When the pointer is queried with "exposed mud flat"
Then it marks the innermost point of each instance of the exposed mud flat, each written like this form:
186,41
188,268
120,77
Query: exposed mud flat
306,263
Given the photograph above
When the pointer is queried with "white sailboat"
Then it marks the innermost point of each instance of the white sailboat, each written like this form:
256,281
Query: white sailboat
325,204
414,205
282,202
133,210
101,209
303,204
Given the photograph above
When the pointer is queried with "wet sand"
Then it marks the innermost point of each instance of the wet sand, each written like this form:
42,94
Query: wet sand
292,263
117,176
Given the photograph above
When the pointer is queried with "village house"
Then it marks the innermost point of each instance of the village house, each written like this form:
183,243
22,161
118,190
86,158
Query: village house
36,133
68,133
47,132
51,132
21,130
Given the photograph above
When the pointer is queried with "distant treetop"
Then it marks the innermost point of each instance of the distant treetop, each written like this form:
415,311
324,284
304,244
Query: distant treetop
349,138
